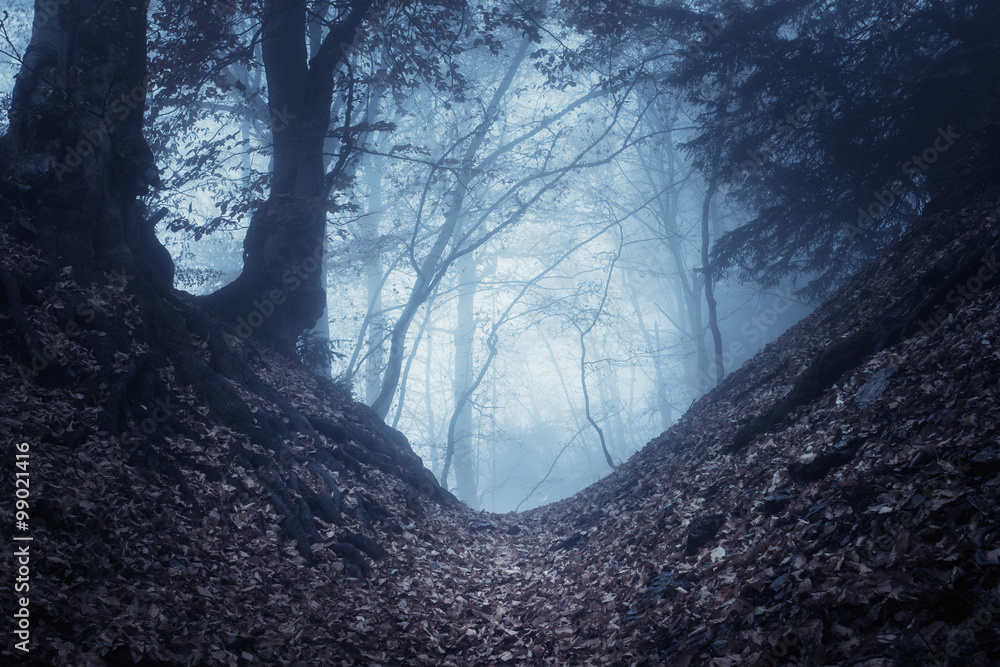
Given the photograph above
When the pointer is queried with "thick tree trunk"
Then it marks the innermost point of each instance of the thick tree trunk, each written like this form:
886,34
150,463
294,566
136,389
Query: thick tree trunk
75,151
280,292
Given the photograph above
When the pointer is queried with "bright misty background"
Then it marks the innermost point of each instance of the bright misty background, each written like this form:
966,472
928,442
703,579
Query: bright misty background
556,219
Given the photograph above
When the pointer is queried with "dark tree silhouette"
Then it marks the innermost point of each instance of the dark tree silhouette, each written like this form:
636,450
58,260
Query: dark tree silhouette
820,114
75,150
280,292
836,124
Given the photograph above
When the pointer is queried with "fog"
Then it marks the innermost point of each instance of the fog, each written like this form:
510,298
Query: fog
514,260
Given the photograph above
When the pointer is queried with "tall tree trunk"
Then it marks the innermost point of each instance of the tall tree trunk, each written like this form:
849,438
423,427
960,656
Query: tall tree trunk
583,369
586,397
430,423
377,325
465,332
662,403
280,292
688,288
653,345
611,402
713,318
424,327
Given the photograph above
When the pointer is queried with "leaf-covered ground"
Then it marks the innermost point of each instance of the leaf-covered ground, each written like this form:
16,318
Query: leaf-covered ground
856,524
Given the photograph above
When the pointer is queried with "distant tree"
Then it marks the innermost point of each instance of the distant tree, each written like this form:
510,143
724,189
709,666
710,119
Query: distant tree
468,380
583,331
497,170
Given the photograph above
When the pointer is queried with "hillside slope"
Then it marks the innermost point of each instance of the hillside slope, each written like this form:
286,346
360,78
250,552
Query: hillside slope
833,502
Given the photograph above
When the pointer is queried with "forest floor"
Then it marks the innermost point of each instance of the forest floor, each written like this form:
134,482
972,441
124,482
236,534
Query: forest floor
834,501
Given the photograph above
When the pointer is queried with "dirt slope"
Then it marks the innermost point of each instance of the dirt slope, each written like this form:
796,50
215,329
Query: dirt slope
833,502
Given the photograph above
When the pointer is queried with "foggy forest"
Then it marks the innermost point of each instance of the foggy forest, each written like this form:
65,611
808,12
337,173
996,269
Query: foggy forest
541,332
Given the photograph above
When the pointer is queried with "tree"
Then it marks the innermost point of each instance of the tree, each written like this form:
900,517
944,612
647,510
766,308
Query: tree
280,292
462,430
583,331
822,116
460,434
663,176
310,120
74,164
709,278
480,202
75,149
436,263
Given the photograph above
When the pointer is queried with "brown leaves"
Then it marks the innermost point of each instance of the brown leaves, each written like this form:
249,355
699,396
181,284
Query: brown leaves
808,565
